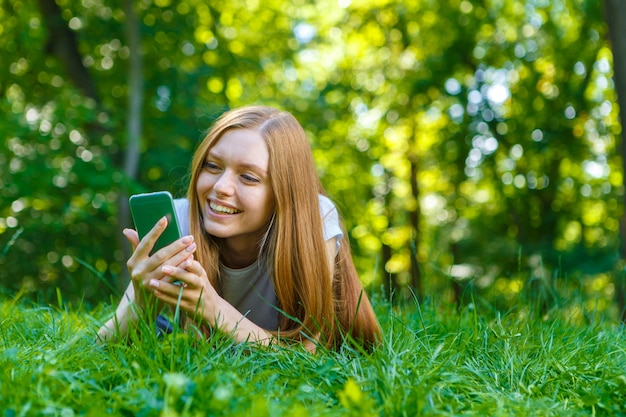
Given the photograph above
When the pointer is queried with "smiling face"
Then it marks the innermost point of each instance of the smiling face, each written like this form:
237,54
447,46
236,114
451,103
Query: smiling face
234,190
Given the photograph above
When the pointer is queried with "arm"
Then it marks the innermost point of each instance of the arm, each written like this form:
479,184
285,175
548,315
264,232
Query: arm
124,314
202,302
137,300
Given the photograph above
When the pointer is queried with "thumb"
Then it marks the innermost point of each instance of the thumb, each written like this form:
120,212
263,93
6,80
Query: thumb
132,237
196,268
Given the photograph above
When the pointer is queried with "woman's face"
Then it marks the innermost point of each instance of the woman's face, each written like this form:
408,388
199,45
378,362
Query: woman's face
234,190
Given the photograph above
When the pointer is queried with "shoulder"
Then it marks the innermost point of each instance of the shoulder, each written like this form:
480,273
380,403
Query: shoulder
326,205
330,220
181,205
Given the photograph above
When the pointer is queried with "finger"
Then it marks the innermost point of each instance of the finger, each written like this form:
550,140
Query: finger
167,291
185,263
132,237
189,299
177,254
195,268
145,267
177,276
147,243
191,296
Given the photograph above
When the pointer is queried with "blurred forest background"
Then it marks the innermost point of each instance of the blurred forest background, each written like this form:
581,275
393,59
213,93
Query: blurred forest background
473,147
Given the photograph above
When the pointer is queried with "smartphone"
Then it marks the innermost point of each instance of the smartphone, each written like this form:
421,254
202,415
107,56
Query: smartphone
147,209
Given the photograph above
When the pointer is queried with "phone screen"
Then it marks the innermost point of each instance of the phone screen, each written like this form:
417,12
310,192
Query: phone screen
147,209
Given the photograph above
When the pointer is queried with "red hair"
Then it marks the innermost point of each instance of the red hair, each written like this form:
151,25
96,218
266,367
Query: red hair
294,250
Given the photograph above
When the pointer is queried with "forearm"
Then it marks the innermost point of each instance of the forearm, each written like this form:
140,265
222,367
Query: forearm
230,321
116,327
127,314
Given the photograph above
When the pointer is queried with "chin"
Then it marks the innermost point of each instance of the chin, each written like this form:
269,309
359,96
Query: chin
216,231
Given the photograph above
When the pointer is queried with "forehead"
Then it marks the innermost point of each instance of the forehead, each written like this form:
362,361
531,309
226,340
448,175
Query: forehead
242,146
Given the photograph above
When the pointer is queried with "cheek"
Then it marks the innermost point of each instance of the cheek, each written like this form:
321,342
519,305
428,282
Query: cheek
260,199
269,202
202,184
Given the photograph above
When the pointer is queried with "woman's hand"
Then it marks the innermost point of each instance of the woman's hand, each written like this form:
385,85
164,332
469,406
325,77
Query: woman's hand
203,304
199,299
144,267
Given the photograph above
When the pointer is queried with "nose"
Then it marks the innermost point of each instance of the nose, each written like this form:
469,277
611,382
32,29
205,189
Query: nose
224,184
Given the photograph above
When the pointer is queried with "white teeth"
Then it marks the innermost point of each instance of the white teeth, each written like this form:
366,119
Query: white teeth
222,209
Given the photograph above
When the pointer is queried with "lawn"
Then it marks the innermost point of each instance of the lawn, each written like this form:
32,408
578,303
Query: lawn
434,360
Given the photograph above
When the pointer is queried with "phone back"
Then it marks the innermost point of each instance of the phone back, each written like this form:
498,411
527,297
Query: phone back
147,209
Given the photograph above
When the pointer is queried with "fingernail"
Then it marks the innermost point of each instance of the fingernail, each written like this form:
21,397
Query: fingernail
191,247
167,269
154,283
188,239
163,221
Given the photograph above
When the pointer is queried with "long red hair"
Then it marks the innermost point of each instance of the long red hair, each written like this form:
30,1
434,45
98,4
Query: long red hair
314,303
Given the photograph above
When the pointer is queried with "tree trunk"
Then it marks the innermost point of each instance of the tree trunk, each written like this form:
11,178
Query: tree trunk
135,91
390,283
62,43
616,20
414,217
390,280
133,123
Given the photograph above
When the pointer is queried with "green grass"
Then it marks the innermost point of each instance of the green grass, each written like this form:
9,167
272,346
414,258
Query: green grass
433,361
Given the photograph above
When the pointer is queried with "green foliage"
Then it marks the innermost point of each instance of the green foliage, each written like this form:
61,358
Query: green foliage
510,121
473,137
431,362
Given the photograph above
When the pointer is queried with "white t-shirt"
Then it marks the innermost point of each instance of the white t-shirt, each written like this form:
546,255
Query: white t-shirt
250,290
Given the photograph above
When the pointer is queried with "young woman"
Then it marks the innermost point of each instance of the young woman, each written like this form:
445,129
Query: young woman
264,257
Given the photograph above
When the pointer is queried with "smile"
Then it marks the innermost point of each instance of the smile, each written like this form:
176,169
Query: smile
222,209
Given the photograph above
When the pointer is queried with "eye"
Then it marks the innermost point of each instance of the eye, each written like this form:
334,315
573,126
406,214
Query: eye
250,178
211,166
